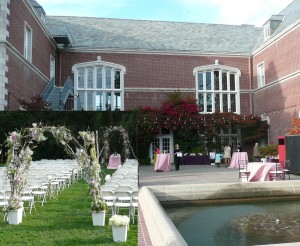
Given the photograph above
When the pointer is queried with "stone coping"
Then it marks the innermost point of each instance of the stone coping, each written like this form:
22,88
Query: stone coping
161,229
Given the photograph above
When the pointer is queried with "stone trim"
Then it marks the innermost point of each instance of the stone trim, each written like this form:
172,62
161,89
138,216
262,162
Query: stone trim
4,12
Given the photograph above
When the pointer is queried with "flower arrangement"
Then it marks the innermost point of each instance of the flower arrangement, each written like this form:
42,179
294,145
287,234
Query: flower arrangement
126,142
119,220
99,206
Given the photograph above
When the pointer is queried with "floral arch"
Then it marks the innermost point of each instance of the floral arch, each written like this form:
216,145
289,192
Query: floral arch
126,143
20,150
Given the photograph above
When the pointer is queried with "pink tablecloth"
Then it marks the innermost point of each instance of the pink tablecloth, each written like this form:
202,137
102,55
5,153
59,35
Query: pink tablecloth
163,163
236,156
114,162
259,171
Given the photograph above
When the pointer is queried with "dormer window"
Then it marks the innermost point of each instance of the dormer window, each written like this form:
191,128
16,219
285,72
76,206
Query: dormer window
271,25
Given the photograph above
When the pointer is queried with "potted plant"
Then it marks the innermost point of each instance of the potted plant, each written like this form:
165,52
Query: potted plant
120,225
99,209
14,211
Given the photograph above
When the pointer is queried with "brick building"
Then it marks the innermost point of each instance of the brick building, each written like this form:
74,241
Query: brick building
85,63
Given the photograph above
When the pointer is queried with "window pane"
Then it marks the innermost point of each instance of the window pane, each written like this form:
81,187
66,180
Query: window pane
200,81
108,78
99,78
216,80
90,78
232,82
232,103
225,103
201,102
80,79
117,80
224,81
90,100
208,81
81,99
209,102
108,101
217,102
117,101
99,101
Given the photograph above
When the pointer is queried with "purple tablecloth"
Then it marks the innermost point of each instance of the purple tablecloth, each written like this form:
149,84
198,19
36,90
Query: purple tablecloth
195,160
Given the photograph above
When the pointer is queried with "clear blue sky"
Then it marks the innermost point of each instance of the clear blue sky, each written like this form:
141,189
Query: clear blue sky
235,12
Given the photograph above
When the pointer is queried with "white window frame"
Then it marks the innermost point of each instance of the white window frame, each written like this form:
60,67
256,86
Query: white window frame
104,65
222,69
267,30
52,67
28,42
261,77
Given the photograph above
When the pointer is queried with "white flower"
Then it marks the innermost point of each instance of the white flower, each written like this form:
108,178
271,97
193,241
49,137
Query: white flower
107,178
119,220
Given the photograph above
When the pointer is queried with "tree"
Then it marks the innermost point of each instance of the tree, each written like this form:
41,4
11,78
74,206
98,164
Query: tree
37,103
295,129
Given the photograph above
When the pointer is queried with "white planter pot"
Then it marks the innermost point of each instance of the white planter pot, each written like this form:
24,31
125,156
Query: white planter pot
119,233
15,216
98,218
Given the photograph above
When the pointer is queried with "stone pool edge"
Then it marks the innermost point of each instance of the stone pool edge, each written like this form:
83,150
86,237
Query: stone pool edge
161,229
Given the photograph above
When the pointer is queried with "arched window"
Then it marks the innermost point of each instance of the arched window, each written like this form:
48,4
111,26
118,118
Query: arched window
218,88
99,86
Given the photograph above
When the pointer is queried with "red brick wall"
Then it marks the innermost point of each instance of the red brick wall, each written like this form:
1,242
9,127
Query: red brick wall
23,83
158,71
279,102
281,58
24,80
41,44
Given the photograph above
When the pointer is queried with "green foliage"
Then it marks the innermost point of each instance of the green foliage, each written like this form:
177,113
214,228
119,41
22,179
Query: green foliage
198,149
75,121
269,150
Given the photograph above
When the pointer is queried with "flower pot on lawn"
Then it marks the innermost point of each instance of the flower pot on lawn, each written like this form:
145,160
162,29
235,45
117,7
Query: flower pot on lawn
120,225
119,233
15,216
98,218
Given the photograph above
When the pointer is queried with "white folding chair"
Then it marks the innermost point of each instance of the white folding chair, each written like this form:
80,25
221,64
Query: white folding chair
3,203
123,200
109,198
243,171
27,197
134,204
278,174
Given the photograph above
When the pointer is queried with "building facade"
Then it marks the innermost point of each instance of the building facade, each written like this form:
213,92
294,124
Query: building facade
85,63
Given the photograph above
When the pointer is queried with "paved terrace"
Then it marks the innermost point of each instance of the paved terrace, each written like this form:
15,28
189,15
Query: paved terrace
188,174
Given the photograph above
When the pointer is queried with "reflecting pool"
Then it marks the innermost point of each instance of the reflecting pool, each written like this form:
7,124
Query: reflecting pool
246,223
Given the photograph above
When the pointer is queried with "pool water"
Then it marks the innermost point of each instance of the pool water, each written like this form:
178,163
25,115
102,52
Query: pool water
238,224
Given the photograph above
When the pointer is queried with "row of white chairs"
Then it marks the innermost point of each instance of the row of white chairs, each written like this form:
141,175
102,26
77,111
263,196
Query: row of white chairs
45,178
121,189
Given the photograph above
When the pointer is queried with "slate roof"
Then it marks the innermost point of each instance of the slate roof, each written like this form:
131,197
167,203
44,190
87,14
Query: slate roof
154,36
166,36
291,15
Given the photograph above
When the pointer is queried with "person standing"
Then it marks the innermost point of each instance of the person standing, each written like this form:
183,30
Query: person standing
239,148
157,151
177,157
227,155
256,153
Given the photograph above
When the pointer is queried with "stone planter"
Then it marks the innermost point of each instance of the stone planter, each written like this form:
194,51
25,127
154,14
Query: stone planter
119,233
15,216
98,218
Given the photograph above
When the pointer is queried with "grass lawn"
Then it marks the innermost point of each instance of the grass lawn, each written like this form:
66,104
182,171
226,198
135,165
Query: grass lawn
64,220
